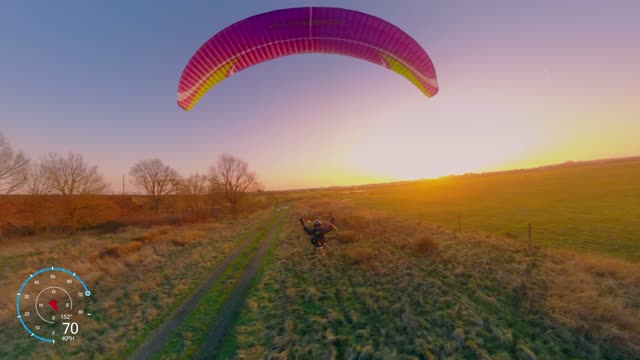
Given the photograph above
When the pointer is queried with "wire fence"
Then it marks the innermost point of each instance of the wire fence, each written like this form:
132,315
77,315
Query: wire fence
589,231
571,231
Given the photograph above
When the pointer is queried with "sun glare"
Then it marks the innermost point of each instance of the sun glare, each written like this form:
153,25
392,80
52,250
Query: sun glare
439,140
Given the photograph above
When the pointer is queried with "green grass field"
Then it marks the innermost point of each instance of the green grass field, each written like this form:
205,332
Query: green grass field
592,208
388,288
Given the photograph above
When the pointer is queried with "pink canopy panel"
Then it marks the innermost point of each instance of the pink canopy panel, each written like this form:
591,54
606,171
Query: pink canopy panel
304,30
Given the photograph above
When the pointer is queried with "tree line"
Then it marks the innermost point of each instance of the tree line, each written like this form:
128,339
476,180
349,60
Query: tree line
229,176
70,176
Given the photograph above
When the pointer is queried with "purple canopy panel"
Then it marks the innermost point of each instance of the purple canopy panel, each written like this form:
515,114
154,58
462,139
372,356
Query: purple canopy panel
304,30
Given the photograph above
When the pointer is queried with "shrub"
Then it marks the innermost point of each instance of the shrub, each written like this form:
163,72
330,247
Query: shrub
425,244
109,227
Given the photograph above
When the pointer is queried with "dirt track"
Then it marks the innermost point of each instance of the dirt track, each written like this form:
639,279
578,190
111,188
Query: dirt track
159,336
232,304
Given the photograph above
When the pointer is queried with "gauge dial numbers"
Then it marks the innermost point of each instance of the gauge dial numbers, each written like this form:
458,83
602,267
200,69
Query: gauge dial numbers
52,304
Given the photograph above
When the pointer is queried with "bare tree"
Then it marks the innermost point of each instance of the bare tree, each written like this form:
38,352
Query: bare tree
13,167
39,186
155,178
73,178
192,190
38,180
71,175
195,184
231,177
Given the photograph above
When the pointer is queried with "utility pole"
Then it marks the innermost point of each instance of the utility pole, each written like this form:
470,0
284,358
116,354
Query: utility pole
123,192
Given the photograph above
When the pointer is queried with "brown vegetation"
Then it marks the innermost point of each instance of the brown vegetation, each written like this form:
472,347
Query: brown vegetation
153,234
121,250
27,214
187,237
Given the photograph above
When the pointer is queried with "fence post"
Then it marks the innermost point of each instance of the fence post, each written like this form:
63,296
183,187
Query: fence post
529,234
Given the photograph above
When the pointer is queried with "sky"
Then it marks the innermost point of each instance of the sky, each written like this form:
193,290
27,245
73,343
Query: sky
522,84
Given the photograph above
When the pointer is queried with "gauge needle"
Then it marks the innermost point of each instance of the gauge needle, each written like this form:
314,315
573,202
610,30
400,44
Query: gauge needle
54,304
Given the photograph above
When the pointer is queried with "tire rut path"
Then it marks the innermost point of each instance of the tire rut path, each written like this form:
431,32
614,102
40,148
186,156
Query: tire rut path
232,304
156,340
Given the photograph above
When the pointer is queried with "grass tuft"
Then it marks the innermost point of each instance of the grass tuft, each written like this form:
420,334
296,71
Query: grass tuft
188,237
348,236
360,255
121,250
152,235
425,244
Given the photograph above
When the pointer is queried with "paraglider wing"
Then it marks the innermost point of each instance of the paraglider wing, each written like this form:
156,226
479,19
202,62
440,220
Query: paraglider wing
304,30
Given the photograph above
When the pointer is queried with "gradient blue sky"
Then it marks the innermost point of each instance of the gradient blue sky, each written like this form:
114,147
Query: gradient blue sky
522,84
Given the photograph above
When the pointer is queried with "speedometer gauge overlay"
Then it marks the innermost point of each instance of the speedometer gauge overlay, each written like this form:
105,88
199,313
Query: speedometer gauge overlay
51,305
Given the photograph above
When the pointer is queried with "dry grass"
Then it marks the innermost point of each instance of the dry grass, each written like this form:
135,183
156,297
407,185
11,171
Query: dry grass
134,282
348,236
596,296
187,237
121,250
153,234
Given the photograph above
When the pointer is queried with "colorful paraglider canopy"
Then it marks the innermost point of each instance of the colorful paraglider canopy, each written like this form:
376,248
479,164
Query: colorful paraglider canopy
304,30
